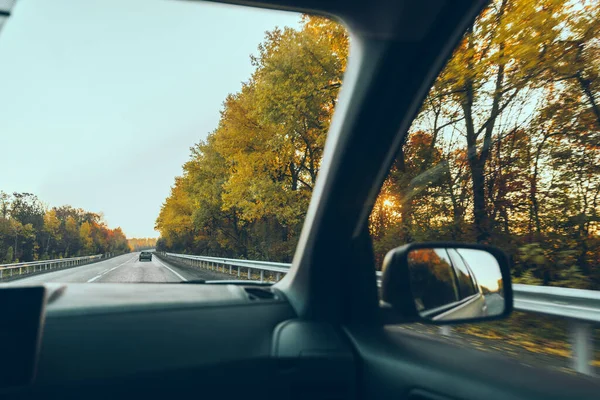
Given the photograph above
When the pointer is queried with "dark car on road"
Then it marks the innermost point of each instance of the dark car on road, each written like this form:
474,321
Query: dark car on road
145,255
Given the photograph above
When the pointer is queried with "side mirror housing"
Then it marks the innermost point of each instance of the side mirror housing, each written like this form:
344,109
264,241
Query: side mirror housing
446,283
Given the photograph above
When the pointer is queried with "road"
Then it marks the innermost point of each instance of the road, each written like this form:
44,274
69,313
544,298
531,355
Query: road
523,354
495,304
125,269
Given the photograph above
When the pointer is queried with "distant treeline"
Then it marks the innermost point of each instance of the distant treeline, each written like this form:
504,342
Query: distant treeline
137,244
30,231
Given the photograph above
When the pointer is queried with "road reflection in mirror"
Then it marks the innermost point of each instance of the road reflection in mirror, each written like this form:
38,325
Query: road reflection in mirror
455,284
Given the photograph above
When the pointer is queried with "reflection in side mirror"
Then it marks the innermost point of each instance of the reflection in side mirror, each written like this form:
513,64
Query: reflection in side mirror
455,283
445,282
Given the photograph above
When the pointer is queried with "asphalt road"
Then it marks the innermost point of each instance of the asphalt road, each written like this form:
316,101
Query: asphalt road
522,354
495,304
125,269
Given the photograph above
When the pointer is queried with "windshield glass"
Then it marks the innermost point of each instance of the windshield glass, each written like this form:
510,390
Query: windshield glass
142,139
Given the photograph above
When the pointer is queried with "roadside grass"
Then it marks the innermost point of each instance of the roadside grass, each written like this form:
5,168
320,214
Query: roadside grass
534,333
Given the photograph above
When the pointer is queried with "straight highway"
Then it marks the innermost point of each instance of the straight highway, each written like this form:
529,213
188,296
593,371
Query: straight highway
125,268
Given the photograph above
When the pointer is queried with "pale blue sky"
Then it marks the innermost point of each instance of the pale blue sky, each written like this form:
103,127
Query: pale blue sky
100,100
484,265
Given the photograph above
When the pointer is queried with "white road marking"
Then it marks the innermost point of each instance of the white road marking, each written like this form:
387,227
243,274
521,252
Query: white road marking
180,277
109,270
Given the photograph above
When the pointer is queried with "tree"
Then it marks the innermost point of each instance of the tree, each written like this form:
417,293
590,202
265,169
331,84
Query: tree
246,188
175,218
27,209
512,121
51,228
86,239
137,244
71,235
280,120
500,61
9,255
26,228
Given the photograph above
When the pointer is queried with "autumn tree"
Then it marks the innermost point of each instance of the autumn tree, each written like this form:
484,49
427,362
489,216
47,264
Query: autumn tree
513,119
51,229
137,244
246,188
29,231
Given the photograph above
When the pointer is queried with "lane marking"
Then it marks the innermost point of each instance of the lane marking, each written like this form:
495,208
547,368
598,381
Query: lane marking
109,270
180,277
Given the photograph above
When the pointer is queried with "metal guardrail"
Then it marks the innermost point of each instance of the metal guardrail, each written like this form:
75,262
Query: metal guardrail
580,307
25,268
213,263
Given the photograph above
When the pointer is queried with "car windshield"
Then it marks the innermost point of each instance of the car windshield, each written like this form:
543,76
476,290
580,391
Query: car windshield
159,141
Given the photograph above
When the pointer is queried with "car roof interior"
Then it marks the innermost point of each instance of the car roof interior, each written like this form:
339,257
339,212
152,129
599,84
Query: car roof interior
318,333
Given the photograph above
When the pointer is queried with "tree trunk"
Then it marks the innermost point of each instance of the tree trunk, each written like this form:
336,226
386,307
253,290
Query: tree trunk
405,199
476,165
585,85
480,215
478,160
457,213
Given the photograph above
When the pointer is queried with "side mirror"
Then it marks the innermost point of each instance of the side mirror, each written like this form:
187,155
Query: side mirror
446,283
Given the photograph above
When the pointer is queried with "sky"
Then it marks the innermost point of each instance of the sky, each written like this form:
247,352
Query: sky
484,266
100,100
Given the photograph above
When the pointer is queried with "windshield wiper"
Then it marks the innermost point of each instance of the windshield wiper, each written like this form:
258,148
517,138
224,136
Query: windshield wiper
227,282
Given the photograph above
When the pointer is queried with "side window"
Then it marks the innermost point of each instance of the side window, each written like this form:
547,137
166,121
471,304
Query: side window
505,150
432,287
465,280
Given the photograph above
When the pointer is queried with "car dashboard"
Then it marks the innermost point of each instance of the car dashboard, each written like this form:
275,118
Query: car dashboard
145,338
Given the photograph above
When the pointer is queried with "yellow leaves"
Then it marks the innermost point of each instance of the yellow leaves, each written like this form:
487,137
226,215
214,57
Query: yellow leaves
272,133
516,34
515,116
136,244
258,168
85,237
54,233
51,222
176,212
71,226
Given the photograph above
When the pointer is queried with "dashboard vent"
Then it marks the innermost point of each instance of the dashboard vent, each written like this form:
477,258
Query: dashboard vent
260,293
